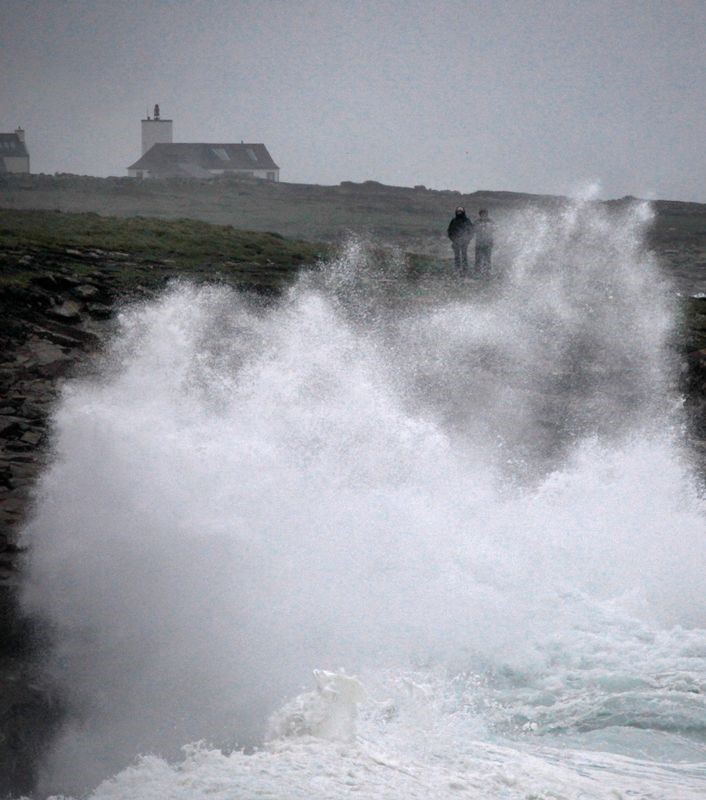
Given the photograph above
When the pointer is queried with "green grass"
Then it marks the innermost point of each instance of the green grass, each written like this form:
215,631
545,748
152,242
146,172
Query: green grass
186,242
146,251
414,219
401,215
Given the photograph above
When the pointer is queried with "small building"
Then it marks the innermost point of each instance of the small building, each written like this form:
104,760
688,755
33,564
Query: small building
13,152
191,160
163,158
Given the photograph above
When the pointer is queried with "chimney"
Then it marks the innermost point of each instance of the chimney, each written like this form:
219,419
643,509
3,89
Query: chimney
20,134
155,131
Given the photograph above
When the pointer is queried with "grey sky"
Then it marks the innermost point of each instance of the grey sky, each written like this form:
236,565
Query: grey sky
520,95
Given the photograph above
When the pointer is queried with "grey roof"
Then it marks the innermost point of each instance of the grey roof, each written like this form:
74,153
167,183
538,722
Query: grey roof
11,145
196,159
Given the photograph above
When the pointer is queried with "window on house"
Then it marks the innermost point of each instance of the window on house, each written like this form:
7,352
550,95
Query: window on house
251,154
219,152
270,176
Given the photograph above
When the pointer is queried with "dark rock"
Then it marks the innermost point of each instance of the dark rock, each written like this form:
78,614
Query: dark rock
68,311
32,411
42,388
31,437
45,359
56,338
57,368
41,352
85,291
13,504
18,447
29,711
21,470
54,281
10,427
75,335
99,311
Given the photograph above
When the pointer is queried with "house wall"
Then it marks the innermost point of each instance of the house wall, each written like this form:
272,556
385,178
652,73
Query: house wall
16,163
263,174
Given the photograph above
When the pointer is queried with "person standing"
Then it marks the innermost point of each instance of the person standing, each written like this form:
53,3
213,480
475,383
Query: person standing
484,243
460,232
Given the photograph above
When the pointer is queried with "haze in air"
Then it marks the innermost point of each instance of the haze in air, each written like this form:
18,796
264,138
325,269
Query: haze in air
336,515
525,96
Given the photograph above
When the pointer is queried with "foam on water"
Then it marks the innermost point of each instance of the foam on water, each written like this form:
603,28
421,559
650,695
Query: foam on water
476,500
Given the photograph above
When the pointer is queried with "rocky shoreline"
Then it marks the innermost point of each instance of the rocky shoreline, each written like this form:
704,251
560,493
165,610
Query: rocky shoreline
50,327
52,323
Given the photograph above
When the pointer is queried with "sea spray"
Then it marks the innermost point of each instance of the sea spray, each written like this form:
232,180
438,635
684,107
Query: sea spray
471,484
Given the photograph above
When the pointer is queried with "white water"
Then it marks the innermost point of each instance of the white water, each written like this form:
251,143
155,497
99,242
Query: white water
476,501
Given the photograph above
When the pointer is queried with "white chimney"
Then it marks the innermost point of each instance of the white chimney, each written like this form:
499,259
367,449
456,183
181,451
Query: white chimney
20,134
155,131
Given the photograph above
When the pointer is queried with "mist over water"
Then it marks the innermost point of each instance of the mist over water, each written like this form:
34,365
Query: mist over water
480,491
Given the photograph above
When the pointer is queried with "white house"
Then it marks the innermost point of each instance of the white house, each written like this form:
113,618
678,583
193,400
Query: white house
162,158
13,152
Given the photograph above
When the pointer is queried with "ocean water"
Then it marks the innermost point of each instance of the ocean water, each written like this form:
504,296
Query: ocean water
470,506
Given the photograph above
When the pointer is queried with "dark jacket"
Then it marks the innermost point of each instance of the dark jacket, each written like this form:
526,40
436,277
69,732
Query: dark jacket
460,229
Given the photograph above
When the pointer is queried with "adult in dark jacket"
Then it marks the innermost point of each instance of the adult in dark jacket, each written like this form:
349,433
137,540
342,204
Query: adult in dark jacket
460,232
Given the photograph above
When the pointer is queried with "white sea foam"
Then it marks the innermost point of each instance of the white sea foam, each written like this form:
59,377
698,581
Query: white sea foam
475,499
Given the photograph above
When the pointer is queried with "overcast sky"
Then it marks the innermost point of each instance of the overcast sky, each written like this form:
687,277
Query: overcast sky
520,95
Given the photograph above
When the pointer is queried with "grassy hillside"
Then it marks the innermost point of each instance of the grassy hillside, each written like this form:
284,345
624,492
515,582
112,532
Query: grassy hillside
141,248
412,218
298,210
397,214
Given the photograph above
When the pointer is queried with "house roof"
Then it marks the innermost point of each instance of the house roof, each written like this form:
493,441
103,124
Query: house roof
11,145
196,159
